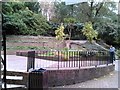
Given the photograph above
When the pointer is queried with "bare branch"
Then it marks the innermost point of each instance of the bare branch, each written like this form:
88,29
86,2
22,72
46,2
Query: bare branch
98,9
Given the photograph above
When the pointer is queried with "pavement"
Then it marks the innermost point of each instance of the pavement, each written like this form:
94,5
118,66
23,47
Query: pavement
107,82
19,63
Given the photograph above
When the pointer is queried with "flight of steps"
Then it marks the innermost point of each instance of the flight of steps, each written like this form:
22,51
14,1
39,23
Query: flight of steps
15,81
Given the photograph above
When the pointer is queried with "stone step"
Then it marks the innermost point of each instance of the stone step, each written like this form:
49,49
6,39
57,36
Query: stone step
13,86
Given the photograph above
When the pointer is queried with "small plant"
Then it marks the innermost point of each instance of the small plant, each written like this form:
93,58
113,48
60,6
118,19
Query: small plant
89,32
118,53
60,33
47,54
65,49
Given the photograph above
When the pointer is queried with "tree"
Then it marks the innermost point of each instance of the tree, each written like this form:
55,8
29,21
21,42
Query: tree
118,32
19,19
61,36
103,18
95,12
33,6
70,22
61,11
89,32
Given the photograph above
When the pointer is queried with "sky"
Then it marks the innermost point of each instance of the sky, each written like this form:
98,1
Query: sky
78,1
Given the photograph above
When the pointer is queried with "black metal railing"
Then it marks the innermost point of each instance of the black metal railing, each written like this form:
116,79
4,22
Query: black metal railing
70,59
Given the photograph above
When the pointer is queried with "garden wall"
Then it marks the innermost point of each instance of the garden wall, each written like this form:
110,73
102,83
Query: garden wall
39,41
72,76
31,41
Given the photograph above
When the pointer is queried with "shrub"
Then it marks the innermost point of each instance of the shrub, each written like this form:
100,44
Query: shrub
118,53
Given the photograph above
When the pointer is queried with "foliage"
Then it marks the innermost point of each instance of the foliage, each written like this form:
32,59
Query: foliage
118,53
34,6
60,11
25,18
103,18
118,32
89,32
101,14
107,32
60,33
19,19
70,21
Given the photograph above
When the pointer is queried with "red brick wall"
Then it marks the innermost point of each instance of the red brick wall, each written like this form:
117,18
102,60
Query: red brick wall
72,76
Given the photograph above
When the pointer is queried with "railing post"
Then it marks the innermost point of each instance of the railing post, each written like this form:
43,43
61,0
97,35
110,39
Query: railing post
108,58
96,59
79,58
31,60
58,58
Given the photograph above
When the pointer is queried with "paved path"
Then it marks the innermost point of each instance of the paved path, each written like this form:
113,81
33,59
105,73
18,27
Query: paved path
107,81
19,63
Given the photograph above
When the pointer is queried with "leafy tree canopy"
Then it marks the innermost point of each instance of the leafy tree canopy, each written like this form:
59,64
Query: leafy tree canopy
101,14
20,19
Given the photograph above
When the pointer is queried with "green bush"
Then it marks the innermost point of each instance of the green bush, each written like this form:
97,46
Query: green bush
18,19
118,53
